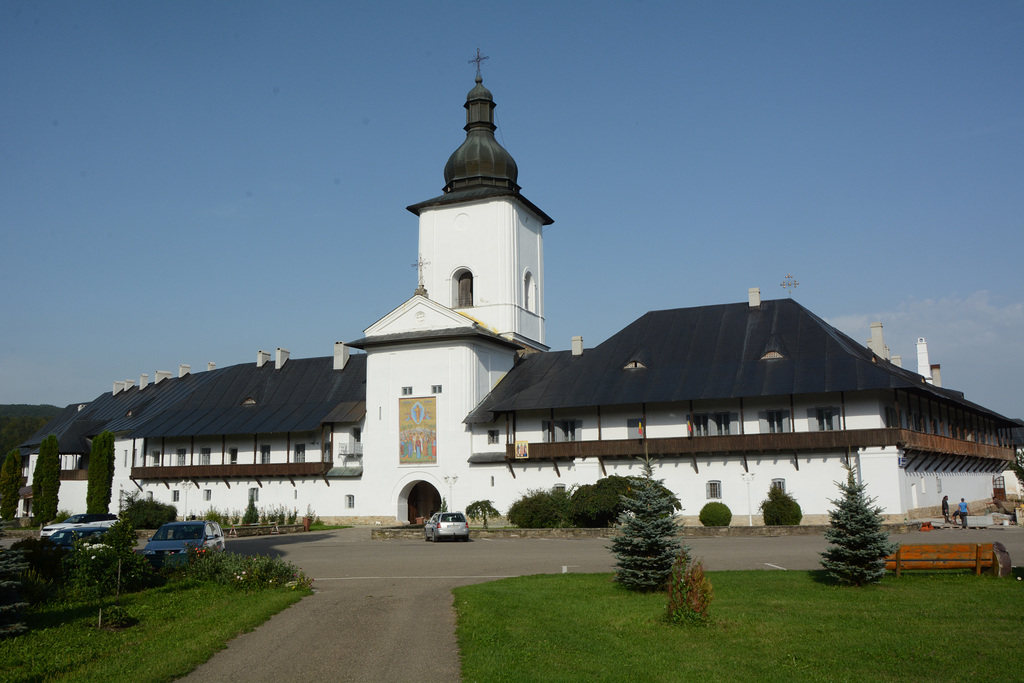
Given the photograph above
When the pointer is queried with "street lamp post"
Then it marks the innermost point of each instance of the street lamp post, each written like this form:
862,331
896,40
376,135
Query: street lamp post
450,481
748,477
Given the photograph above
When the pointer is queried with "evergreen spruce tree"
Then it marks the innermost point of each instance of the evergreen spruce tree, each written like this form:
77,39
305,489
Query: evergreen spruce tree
12,564
858,544
46,480
10,484
647,543
101,474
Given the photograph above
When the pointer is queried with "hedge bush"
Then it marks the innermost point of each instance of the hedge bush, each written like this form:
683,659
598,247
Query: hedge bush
541,509
146,513
780,508
715,514
598,505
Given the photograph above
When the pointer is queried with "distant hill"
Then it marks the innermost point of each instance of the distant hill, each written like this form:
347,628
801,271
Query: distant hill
20,421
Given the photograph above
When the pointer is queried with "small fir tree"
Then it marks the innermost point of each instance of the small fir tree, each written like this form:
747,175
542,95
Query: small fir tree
46,480
101,474
12,606
648,540
251,515
10,484
858,543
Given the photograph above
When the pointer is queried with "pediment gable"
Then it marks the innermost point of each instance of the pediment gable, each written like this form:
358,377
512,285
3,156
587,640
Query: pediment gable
418,314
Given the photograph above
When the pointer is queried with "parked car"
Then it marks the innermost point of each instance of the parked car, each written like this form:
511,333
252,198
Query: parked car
65,538
171,542
79,521
446,525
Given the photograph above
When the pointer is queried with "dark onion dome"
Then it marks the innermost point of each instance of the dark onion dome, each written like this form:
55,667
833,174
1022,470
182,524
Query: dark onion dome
480,160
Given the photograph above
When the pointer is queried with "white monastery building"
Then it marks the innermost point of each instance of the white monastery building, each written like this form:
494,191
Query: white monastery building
454,394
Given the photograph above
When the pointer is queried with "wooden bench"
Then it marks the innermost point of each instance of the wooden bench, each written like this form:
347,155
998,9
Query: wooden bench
976,556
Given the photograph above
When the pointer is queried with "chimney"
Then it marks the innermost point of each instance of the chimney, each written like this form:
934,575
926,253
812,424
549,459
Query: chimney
118,388
897,360
924,368
281,359
184,369
340,355
936,378
160,376
211,366
128,384
143,381
754,297
876,344
261,358
577,346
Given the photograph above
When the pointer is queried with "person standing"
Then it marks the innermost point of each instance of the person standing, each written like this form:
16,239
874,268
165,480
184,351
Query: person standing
963,513
945,508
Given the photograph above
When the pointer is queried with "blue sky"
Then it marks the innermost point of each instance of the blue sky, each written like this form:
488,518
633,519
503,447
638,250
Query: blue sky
193,181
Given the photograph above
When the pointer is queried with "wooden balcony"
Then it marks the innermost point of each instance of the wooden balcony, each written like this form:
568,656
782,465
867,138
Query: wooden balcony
751,444
74,475
258,472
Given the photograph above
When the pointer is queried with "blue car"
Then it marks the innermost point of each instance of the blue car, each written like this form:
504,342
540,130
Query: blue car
171,542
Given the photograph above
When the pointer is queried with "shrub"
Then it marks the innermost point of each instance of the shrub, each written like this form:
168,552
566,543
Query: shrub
104,567
540,509
61,516
598,505
293,516
715,514
146,513
42,557
246,572
215,515
780,508
689,593
482,509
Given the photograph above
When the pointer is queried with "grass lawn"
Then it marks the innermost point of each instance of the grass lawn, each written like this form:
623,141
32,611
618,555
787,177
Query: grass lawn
766,626
180,626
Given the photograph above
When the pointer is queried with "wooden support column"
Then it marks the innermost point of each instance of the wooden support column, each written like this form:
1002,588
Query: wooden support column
600,461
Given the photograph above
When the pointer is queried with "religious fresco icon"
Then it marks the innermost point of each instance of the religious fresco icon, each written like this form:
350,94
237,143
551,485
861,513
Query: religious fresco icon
417,426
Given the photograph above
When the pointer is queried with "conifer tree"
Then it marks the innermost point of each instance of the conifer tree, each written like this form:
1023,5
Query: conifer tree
647,543
12,564
101,474
10,484
46,480
858,544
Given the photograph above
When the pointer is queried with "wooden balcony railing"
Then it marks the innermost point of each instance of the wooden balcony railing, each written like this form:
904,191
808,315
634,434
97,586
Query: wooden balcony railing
74,475
249,471
791,442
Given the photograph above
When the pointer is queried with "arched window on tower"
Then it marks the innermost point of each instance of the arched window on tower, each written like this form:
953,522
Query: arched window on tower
464,289
529,293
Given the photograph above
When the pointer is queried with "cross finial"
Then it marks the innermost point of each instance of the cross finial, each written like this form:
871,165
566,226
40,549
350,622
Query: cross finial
789,283
479,58
420,289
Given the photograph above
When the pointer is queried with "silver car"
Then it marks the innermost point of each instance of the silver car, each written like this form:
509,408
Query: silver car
446,525
171,542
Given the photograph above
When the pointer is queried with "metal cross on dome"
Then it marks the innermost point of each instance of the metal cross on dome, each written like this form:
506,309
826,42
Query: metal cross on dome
479,58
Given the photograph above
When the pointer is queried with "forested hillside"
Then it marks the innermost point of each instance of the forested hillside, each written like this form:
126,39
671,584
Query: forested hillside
18,422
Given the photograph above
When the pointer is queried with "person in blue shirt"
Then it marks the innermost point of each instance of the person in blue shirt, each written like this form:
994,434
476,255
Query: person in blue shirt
963,513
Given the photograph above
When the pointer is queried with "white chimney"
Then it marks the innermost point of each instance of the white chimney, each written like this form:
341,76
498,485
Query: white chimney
282,358
924,368
897,360
876,343
754,297
161,375
184,369
118,388
936,378
211,366
143,381
128,384
577,346
261,358
340,355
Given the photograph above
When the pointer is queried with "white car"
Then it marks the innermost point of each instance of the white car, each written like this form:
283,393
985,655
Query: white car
75,521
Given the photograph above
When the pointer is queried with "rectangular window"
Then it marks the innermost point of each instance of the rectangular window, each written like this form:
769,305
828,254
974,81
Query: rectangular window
560,488
406,391
175,495
714,490
557,431
328,455
204,456
435,389
938,485
890,418
776,421
492,436
357,434
156,458
722,423
233,456
207,494
264,454
634,428
699,423
779,484
126,457
350,501
181,457
826,419
300,452
254,495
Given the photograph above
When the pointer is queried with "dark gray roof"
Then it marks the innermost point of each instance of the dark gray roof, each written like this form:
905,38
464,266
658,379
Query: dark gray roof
477,193
300,396
709,352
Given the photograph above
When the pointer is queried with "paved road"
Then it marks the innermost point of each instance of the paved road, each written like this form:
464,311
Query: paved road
383,609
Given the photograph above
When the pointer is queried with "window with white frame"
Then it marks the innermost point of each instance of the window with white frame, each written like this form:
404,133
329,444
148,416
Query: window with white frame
634,428
357,434
699,423
207,494
265,454
204,456
155,454
175,495
435,388
938,484
350,501
722,423
714,490
233,456
493,436
779,484
406,391
254,494
776,421
826,419
300,452
181,457
557,431
560,488
891,421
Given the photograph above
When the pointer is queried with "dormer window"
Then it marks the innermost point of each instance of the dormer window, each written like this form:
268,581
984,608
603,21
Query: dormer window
249,402
772,355
634,365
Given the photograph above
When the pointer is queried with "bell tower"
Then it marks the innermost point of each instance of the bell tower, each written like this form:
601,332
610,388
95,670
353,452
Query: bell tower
481,242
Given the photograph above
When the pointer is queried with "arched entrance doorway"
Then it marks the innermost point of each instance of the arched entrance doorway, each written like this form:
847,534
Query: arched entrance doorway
424,500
